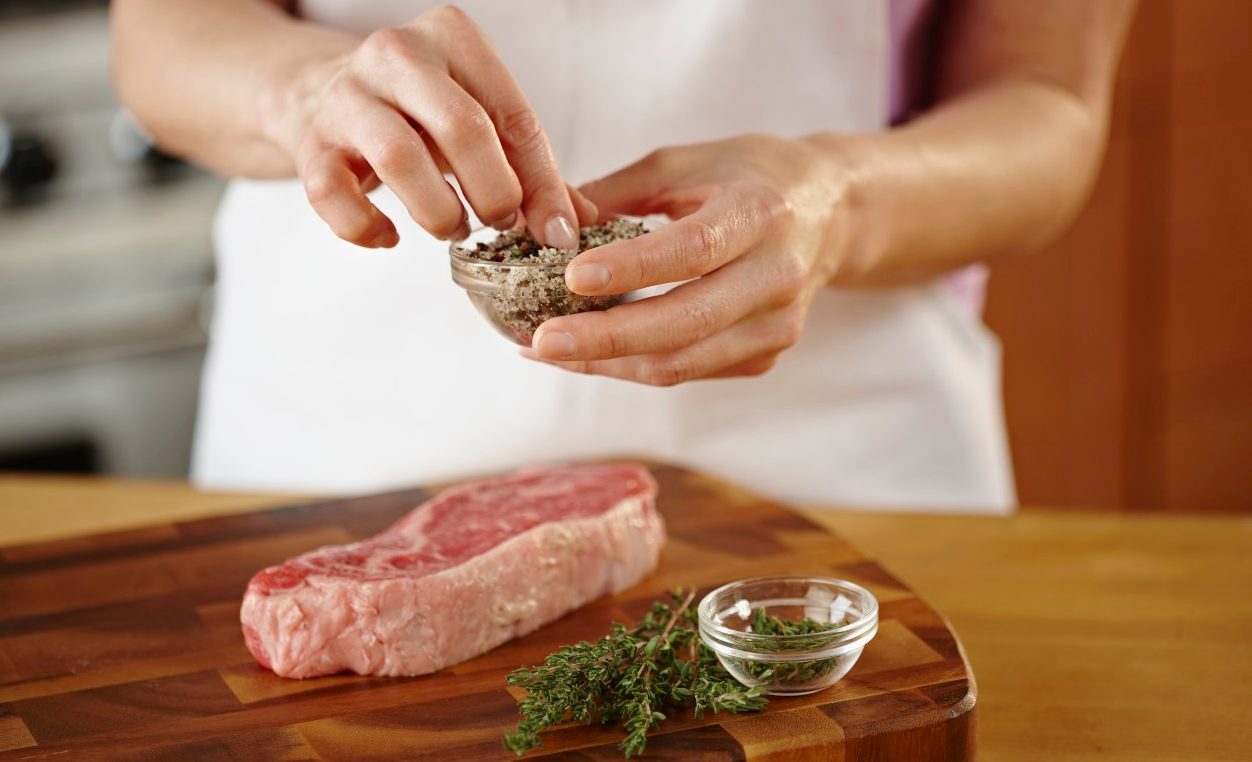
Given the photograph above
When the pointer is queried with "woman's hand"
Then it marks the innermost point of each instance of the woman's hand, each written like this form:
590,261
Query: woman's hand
407,105
760,225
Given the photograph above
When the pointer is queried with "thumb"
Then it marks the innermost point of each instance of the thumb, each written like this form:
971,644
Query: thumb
637,188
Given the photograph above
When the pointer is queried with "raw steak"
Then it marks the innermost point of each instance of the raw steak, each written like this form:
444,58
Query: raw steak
472,568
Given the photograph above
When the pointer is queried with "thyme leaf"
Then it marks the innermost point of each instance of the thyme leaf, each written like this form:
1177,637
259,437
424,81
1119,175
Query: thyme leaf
636,675
633,675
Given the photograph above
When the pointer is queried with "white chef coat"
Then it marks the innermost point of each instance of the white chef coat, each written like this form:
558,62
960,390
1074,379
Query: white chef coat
337,369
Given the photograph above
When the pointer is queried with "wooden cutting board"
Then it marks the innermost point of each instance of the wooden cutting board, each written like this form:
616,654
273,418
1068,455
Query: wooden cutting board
127,645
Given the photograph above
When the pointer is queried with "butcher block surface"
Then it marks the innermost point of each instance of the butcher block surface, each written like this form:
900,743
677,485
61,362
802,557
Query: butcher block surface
127,645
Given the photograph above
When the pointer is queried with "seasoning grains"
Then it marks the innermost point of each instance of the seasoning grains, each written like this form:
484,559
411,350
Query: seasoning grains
521,283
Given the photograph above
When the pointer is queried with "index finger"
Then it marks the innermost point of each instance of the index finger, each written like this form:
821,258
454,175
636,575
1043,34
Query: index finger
546,201
729,223
663,323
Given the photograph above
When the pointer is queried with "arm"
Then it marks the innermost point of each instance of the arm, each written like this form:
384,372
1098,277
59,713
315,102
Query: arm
246,89
1006,158
999,165
206,78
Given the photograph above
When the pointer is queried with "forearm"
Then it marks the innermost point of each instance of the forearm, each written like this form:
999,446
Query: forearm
1003,161
998,170
206,78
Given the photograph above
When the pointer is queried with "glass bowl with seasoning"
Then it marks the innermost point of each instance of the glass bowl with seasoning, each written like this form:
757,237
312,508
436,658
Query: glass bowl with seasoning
788,636
517,283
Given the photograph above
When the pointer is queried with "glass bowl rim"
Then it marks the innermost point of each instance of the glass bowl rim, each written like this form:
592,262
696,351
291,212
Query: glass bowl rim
705,619
455,250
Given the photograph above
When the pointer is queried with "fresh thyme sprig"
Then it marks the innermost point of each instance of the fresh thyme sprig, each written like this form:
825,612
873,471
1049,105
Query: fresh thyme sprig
633,675
789,672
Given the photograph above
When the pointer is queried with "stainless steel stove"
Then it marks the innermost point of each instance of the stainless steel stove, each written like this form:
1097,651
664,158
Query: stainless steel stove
105,262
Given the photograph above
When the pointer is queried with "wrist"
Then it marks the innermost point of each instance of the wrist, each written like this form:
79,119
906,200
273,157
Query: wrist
290,92
284,103
848,165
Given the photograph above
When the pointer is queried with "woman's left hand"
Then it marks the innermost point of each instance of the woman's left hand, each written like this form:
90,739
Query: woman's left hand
759,226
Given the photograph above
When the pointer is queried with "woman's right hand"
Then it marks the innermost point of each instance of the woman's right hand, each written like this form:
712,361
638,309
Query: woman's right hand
407,105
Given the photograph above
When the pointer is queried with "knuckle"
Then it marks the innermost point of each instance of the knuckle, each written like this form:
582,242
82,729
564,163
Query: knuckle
655,376
344,85
760,366
763,365
789,330
501,204
442,223
393,156
520,128
613,341
320,188
357,229
387,43
789,282
699,319
440,215
659,160
793,277
764,202
701,247
462,122
790,336
669,371
448,16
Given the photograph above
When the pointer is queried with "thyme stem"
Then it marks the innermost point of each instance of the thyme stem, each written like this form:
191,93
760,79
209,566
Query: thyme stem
630,675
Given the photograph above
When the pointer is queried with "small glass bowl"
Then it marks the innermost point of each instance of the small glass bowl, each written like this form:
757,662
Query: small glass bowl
517,297
788,665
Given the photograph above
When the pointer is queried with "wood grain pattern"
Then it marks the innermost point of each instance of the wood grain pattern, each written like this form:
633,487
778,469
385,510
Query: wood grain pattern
127,646
1095,636
1128,342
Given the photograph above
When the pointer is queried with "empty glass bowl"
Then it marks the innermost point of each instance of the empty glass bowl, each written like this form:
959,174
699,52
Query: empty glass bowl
788,665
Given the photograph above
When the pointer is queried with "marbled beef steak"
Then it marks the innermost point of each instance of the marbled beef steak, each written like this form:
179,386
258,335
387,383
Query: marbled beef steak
466,571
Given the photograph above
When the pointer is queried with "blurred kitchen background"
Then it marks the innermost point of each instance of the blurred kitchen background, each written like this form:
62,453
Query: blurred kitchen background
1128,344
105,267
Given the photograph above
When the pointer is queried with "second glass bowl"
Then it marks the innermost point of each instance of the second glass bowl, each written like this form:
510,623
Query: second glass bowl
788,665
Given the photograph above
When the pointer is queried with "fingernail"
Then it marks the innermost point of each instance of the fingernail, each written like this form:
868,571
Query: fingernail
505,223
559,233
461,233
385,239
591,276
554,345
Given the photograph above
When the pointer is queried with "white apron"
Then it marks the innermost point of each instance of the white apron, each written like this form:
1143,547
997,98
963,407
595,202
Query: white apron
336,369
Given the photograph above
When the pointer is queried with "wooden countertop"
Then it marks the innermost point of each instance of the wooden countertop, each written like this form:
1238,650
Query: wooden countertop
1092,635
